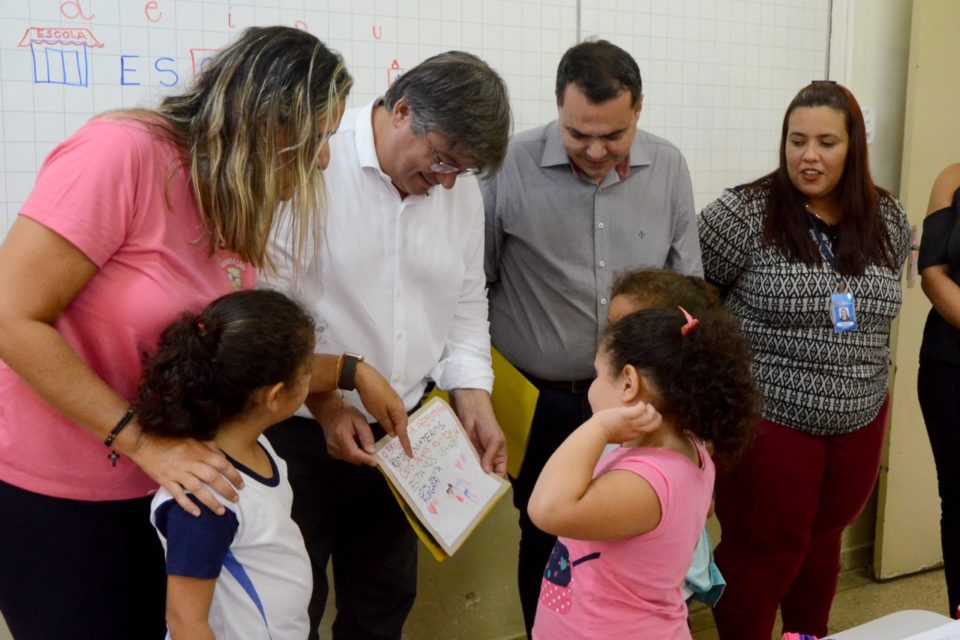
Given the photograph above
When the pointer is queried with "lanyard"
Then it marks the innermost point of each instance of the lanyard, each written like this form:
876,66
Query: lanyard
824,245
842,312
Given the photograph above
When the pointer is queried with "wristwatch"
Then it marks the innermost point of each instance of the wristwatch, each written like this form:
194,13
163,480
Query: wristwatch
347,377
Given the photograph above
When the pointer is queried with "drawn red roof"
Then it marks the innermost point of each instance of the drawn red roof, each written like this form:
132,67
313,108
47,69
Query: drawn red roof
59,35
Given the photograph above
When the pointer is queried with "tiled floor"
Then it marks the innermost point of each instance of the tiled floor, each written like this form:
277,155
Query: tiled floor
860,599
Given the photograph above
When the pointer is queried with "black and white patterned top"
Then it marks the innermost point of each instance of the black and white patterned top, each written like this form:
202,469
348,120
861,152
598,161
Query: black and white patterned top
813,378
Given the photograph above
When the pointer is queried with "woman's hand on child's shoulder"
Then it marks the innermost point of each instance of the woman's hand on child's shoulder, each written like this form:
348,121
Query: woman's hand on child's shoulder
622,424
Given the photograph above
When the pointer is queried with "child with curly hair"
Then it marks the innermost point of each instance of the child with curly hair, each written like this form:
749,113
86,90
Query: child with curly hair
664,289
666,382
225,375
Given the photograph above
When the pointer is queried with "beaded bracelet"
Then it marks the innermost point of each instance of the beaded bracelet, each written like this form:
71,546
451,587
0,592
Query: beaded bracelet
117,428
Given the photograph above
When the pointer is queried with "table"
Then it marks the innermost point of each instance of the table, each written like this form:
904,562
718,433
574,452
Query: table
895,626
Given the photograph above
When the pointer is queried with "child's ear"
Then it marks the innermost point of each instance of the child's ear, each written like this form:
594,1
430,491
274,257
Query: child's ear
635,387
270,396
632,385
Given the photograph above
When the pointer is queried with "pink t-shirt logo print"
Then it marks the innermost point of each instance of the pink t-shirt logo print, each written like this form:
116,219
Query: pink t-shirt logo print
234,274
556,592
234,269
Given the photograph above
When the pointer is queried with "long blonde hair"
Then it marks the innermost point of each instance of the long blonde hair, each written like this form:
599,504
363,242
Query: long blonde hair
273,85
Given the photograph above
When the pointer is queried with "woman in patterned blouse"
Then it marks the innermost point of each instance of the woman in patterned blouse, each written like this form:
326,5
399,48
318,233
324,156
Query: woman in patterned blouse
808,257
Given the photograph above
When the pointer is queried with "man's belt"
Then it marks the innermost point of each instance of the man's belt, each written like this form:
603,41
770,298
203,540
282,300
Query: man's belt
568,386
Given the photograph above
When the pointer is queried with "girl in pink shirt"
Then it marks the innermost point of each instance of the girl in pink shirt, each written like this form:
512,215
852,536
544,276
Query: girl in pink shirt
666,382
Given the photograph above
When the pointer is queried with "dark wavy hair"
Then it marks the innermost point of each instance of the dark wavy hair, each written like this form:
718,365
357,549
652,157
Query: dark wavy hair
461,97
659,288
863,237
701,381
208,365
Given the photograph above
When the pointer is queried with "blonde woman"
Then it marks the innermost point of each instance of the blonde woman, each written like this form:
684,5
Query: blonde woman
138,216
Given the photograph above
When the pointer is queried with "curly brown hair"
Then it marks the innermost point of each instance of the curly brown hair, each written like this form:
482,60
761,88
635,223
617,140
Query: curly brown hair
701,381
661,288
208,365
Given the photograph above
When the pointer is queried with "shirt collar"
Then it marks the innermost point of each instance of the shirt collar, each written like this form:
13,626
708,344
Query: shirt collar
622,169
555,155
366,148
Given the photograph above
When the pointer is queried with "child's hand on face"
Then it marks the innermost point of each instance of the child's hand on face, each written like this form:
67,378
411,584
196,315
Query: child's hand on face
622,424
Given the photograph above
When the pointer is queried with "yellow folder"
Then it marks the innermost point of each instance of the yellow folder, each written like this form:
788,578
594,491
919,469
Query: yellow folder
514,401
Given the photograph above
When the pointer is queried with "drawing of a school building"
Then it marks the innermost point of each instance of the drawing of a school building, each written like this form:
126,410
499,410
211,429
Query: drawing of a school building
60,54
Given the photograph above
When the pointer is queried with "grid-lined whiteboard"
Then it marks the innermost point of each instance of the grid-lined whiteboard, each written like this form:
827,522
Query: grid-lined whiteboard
717,73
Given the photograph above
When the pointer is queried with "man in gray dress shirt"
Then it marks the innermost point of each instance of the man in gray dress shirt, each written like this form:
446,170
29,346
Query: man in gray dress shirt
579,200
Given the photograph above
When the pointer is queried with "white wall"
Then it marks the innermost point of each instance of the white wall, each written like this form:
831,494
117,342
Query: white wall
869,54
878,77
908,533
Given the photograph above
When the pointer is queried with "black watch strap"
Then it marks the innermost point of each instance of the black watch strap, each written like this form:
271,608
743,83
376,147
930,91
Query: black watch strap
348,372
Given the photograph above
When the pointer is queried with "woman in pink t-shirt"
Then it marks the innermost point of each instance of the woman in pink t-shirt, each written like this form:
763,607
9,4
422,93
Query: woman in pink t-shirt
666,382
138,216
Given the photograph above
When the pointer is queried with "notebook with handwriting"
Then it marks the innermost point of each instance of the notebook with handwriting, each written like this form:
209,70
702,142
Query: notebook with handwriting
443,488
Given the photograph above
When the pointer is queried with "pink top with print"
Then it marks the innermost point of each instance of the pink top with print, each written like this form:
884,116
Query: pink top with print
630,587
120,195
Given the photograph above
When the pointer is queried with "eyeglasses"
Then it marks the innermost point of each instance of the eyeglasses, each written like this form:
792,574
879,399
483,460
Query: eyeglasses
439,166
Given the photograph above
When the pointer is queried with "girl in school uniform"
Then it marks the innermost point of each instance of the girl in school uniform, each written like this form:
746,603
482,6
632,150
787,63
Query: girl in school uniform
225,375
666,382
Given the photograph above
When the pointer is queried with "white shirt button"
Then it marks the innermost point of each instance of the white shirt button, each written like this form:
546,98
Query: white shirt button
600,225
602,264
603,301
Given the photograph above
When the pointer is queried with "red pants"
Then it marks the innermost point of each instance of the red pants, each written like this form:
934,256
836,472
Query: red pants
782,510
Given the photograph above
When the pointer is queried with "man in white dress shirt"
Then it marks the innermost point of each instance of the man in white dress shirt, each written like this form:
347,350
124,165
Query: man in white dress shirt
397,279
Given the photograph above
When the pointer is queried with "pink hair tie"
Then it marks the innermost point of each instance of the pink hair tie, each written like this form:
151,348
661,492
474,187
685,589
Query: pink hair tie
203,329
691,322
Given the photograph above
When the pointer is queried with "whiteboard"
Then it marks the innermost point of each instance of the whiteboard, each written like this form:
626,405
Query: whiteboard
718,74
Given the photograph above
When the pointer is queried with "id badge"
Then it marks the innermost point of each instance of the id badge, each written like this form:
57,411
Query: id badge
842,312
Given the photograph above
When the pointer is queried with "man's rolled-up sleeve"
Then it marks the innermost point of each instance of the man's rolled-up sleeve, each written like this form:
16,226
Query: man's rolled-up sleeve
465,363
